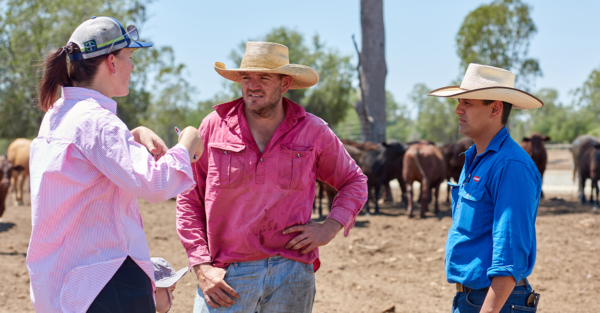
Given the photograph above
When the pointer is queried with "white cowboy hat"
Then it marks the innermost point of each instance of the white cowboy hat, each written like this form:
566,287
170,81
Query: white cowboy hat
484,82
268,57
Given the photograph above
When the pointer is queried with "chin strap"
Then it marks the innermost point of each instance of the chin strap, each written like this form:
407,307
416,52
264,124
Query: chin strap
168,297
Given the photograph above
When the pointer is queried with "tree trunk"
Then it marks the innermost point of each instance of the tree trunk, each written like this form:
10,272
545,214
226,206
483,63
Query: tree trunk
373,67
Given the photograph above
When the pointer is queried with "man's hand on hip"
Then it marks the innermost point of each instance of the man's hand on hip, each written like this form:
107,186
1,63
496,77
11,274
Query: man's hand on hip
312,235
211,281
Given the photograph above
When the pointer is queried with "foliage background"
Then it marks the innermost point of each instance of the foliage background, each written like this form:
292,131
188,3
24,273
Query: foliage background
161,97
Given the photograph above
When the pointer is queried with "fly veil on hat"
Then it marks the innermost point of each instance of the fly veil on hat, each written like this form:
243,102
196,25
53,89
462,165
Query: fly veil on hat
482,82
268,57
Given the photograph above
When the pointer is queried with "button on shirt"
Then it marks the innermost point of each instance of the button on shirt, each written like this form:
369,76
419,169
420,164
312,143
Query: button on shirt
86,173
494,207
244,199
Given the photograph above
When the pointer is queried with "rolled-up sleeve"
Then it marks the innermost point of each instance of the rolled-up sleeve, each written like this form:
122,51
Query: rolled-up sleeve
130,166
191,214
516,203
336,168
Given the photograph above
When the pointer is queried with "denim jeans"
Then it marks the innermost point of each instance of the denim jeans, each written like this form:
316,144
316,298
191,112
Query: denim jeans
275,284
472,301
129,290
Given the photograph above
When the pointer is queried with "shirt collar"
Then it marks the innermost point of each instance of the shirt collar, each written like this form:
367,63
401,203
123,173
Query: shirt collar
229,111
79,93
498,140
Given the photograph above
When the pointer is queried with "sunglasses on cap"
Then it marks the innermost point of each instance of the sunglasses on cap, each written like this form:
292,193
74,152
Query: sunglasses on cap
131,32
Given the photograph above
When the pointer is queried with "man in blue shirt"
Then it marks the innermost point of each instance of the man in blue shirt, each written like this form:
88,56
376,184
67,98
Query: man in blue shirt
491,245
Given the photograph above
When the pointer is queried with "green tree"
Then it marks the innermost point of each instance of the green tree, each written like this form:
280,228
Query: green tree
30,29
561,122
588,95
436,120
399,125
330,98
172,101
499,34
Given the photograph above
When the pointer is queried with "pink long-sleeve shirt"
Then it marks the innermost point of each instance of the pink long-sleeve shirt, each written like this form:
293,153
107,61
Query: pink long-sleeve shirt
244,199
86,174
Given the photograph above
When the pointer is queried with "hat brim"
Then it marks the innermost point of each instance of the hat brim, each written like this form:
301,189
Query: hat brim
139,44
518,98
303,76
170,281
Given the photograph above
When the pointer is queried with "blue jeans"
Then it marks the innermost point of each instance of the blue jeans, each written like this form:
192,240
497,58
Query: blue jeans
275,284
472,301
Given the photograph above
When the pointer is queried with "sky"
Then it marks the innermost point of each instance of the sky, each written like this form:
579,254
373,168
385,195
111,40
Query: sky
420,37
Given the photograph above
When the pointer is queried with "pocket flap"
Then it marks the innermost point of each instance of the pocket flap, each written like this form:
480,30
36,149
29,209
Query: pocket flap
227,146
296,150
473,195
452,185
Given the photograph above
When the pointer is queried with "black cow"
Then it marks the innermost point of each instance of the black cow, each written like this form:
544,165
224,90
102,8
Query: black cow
589,167
381,166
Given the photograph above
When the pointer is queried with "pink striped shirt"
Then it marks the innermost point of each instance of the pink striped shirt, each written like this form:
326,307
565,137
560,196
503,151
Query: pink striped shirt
86,174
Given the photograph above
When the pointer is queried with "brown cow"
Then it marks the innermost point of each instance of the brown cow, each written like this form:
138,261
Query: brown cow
447,154
423,162
6,169
534,146
18,155
576,146
454,155
589,167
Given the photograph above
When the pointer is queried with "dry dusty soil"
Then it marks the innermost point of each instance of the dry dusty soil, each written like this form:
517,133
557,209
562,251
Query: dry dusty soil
386,261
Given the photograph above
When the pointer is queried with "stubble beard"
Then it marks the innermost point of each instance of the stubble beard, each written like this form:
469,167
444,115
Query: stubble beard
270,107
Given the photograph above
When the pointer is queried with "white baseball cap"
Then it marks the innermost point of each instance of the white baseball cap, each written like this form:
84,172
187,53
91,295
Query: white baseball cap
164,275
104,35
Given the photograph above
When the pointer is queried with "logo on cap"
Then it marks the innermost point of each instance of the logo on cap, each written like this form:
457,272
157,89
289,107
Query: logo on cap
90,46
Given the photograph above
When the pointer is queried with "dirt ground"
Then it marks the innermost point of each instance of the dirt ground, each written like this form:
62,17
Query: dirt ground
387,260
559,160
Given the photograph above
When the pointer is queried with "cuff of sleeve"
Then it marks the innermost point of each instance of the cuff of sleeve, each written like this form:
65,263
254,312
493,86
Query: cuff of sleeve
180,153
343,217
503,271
198,255
185,153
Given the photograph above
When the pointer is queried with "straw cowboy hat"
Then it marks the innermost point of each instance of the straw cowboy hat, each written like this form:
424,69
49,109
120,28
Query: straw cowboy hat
268,57
484,82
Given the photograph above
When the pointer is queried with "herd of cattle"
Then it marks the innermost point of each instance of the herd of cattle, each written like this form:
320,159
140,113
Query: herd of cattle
420,161
430,165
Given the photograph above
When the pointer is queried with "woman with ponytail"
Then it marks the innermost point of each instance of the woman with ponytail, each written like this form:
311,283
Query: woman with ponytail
88,251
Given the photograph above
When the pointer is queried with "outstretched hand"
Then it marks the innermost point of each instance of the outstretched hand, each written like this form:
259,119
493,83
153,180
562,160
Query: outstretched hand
146,137
312,235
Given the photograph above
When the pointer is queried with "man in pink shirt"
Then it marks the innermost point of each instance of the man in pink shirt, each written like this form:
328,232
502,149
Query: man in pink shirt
247,224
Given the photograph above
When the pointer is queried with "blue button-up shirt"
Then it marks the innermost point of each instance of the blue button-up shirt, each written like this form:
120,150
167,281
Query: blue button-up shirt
494,207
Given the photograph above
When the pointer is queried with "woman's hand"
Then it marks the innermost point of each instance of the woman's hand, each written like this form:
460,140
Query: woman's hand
191,139
146,137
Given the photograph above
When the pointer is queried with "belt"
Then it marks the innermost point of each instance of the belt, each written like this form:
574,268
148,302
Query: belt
462,288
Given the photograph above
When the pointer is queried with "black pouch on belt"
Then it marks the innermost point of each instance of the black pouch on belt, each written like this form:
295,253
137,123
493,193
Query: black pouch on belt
533,299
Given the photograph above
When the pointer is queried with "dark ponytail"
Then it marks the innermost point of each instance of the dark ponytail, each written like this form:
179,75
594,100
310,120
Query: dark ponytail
79,73
55,75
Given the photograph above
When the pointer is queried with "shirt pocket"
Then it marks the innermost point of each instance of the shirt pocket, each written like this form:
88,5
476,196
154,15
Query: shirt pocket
295,168
226,164
470,210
